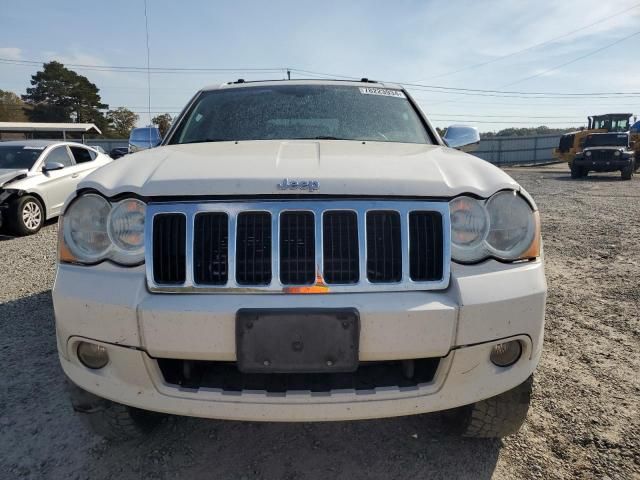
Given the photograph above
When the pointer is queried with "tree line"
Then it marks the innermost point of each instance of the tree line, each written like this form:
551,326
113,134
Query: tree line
521,132
58,94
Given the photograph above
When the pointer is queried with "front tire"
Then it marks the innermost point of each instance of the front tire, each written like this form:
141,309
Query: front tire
26,216
119,423
578,172
111,420
495,417
627,173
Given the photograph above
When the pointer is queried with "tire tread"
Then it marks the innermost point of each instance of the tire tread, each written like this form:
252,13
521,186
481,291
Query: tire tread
498,416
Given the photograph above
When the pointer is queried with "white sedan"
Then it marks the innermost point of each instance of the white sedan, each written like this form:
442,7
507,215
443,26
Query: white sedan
37,176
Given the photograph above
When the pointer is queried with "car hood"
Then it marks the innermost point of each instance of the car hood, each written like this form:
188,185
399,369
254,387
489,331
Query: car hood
7,175
340,167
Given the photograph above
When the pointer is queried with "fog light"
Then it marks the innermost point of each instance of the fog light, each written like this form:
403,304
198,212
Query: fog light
92,355
505,354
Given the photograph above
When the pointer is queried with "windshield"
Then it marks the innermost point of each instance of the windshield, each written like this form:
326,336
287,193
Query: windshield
145,135
18,157
613,124
289,112
606,139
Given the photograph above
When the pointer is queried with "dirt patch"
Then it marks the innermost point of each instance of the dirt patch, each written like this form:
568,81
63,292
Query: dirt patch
584,421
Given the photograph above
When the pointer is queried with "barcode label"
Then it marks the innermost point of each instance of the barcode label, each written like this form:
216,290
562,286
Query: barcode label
382,91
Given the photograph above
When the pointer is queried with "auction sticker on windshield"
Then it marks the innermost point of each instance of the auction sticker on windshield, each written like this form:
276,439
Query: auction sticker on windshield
382,91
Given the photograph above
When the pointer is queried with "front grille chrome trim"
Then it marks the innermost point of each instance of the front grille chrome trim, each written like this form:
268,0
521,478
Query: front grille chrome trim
318,207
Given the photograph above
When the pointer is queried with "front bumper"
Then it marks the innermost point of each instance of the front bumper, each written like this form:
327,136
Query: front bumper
483,305
602,165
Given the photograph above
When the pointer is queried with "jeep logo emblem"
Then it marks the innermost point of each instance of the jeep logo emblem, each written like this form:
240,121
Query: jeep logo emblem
311,185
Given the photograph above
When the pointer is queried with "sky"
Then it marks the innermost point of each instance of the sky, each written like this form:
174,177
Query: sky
429,42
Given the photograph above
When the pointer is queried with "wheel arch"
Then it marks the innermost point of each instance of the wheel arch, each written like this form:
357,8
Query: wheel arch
38,197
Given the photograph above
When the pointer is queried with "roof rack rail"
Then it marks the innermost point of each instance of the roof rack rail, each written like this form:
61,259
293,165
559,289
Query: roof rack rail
362,80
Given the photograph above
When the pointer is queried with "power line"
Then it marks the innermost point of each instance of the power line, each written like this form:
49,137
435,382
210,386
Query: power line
518,52
529,96
502,123
465,115
481,92
133,69
449,116
593,52
426,87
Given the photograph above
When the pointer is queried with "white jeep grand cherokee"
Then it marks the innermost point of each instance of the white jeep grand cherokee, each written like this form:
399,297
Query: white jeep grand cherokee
301,251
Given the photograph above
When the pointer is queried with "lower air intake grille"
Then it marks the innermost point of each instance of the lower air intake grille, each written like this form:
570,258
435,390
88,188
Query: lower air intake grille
425,246
340,243
210,247
169,252
297,248
384,247
253,248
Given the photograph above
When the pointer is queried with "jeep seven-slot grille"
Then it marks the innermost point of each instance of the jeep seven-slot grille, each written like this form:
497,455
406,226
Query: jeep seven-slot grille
340,244
169,248
281,246
425,246
253,248
384,248
297,248
210,248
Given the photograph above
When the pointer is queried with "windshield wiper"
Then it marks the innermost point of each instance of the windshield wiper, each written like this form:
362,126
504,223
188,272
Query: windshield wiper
321,137
206,140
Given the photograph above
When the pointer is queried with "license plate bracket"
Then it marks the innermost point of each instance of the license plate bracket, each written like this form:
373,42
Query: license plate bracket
319,340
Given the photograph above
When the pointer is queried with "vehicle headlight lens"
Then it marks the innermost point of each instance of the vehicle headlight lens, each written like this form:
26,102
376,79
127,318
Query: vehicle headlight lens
93,230
588,154
85,228
616,153
504,227
469,227
126,231
512,225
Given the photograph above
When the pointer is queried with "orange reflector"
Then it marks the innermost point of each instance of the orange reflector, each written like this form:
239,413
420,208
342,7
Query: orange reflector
319,287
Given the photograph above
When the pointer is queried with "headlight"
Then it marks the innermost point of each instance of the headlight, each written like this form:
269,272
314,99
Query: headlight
85,228
616,153
512,225
587,154
469,228
126,231
503,227
93,230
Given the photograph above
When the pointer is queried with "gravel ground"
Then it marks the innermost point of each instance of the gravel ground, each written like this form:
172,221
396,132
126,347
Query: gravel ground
584,421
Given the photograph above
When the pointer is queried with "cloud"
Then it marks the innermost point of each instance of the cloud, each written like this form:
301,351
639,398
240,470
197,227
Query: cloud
12,53
475,34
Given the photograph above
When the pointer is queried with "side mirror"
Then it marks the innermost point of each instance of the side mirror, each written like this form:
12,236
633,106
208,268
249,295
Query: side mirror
462,137
52,166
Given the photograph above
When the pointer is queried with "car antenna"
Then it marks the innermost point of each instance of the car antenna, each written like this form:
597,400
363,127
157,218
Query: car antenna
146,25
